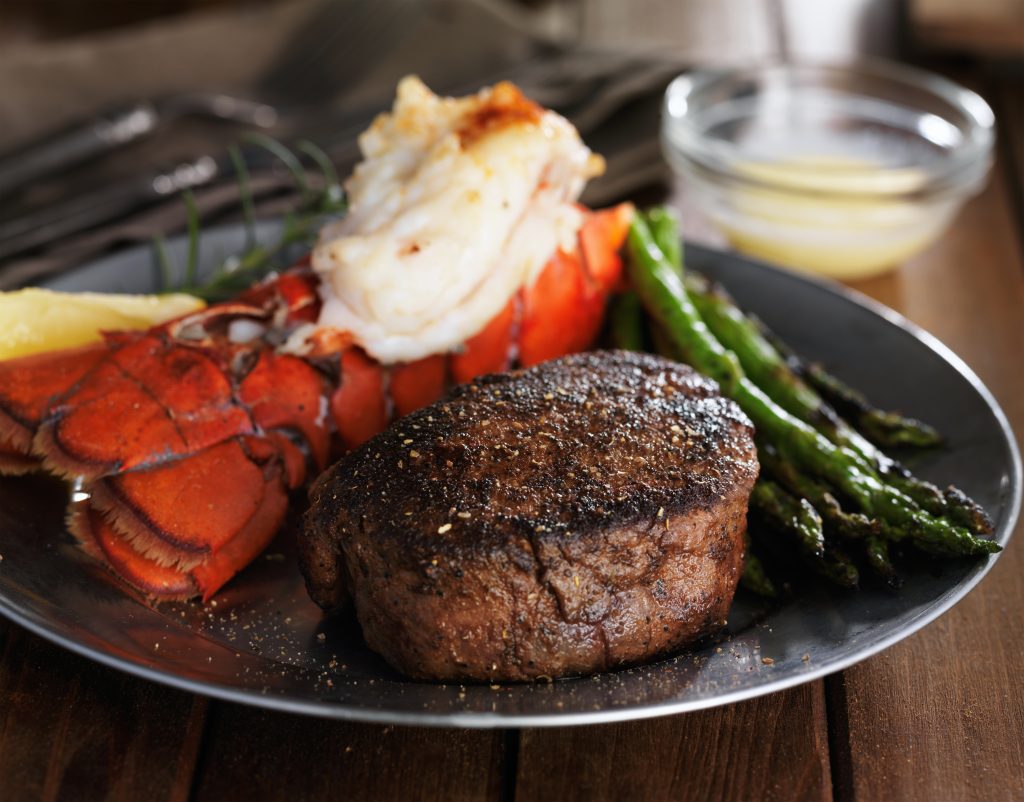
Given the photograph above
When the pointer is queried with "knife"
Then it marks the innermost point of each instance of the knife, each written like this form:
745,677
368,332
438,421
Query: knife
83,141
51,223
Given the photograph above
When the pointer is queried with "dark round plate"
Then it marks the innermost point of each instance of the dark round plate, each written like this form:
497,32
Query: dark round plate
262,642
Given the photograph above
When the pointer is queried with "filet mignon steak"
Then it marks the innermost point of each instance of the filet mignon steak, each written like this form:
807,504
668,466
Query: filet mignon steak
573,517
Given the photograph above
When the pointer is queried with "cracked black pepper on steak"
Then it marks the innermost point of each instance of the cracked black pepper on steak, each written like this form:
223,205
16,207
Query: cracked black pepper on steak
578,516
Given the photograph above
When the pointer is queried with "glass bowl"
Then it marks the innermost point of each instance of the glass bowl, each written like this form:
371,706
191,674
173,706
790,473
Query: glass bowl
841,170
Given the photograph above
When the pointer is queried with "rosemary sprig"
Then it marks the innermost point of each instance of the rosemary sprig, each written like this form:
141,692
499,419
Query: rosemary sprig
236,273
323,161
244,194
163,261
192,217
287,158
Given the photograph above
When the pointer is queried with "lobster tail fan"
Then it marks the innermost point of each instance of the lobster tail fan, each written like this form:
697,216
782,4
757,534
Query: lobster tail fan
29,386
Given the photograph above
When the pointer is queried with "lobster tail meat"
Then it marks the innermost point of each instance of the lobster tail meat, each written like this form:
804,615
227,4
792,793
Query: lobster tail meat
457,206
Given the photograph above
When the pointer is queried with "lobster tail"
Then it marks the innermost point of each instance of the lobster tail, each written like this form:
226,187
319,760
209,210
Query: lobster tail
188,438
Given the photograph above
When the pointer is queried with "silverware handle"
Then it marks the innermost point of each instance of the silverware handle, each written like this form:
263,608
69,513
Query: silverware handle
77,143
107,204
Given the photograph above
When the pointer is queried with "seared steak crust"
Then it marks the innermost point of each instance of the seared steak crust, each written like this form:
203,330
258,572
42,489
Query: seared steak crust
580,515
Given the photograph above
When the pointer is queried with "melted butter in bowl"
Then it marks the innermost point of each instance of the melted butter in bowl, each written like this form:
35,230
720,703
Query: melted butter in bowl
791,214
845,171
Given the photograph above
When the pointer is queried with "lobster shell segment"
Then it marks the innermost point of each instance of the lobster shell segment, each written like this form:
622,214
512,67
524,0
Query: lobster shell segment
359,404
29,385
415,384
246,545
187,438
15,460
283,391
100,539
151,545
562,312
150,400
179,513
490,351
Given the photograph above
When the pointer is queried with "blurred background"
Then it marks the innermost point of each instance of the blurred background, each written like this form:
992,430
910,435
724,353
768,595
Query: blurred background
171,83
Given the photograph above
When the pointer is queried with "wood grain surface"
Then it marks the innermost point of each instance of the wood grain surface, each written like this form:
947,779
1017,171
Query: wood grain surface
771,748
259,755
71,729
937,717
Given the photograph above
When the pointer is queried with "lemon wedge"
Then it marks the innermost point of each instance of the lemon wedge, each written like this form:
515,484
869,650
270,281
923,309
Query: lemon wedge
34,320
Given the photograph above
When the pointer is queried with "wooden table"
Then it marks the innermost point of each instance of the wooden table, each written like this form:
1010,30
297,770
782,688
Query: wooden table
940,716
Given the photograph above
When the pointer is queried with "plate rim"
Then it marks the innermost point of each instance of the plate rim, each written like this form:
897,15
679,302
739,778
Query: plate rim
325,708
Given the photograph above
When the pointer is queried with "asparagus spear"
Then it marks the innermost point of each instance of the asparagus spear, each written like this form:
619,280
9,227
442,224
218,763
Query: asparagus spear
770,370
789,513
877,549
665,230
960,508
848,525
754,578
838,568
627,322
965,511
762,363
782,512
884,428
665,298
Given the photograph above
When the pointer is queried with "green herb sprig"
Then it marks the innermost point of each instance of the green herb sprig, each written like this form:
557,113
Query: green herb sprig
318,201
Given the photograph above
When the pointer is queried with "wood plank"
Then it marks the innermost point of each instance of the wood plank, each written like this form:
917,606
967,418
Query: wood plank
73,729
1007,96
771,748
984,27
257,755
940,716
